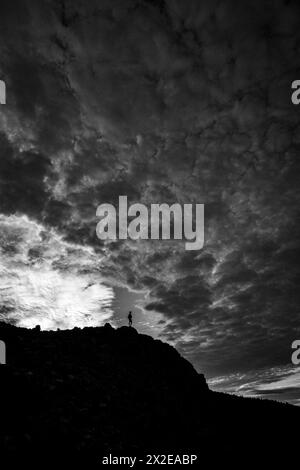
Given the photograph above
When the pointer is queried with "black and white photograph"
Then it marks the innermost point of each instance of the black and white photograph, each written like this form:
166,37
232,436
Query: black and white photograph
149,233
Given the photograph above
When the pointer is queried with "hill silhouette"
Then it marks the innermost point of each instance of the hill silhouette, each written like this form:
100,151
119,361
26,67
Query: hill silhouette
98,391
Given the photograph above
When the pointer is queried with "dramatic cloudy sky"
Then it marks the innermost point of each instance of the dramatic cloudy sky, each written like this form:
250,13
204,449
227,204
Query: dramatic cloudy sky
162,101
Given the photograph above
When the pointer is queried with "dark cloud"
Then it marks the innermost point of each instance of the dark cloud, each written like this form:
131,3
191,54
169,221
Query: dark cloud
165,101
21,175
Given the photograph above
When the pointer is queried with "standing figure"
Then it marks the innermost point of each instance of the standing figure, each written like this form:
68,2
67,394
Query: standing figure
130,318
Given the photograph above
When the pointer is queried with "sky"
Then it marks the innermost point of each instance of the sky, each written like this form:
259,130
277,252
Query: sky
163,101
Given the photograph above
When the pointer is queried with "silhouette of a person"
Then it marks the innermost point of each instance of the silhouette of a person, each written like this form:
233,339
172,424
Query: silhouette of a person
130,319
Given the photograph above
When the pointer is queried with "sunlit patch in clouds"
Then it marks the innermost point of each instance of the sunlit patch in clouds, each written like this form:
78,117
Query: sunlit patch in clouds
47,281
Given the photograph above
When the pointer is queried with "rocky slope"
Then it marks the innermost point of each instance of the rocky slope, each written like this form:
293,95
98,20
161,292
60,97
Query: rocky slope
99,391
